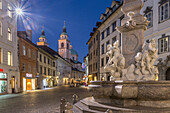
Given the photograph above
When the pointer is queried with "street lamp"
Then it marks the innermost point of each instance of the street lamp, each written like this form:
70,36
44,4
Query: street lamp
19,11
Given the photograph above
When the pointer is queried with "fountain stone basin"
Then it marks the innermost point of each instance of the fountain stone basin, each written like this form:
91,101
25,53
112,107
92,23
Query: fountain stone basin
132,93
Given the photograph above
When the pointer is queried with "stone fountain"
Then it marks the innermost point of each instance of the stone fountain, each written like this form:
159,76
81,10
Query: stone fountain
134,85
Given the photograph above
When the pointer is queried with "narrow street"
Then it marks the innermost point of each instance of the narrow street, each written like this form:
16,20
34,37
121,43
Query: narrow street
40,101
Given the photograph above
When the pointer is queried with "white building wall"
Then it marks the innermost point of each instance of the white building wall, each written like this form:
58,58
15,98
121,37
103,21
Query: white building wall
158,29
6,45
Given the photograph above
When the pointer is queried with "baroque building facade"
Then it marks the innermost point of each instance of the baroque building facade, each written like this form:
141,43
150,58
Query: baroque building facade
9,69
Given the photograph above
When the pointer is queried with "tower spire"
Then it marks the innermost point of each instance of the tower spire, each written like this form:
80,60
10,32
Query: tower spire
64,28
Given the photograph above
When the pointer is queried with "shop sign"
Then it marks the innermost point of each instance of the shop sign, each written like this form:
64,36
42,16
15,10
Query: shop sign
28,75
1,70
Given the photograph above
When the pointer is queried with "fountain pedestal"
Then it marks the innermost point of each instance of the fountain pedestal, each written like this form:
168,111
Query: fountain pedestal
132,93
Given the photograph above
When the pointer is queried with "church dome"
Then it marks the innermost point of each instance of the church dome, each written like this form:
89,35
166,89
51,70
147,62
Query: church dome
73,52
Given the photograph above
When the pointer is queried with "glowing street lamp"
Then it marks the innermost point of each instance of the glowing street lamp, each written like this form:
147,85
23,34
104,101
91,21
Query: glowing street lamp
19,11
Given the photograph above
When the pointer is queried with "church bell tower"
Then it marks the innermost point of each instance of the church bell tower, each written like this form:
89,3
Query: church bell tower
64,44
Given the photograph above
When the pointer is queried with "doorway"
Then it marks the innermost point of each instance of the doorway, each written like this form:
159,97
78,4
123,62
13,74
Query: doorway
13,84
168,74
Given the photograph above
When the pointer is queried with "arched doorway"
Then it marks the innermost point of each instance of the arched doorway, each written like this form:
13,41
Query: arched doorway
108,78
168,74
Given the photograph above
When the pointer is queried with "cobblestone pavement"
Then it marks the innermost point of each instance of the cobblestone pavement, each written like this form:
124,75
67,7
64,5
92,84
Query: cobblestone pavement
41,101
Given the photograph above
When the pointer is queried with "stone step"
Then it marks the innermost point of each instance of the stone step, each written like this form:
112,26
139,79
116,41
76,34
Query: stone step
91,104
88,105
81,108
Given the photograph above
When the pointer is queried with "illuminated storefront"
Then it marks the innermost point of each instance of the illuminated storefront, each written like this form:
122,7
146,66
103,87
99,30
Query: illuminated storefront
29,82
3,83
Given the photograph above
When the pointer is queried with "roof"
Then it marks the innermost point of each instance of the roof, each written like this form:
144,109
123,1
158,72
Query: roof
49,50
99,24
74,52
19,34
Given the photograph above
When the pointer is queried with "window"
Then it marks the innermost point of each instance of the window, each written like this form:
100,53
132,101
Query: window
163,45
9,58
44,59
149,18
113,40
33,54
53,64
48,71
23,67
9,34
73,58
114,8
102,35
29,52
40,58
108,31
45,72
62,44
33,69
102,62
48,61
53,73
103,49
107,43
108,14
67,46
9,11
164,12
113,26
29,68
121,18
0,28
23,50
40,69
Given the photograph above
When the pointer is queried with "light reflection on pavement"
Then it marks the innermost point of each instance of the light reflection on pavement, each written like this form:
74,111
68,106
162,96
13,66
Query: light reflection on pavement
40,101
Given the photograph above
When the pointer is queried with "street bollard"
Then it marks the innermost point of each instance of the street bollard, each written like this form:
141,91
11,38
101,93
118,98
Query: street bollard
109,111
74,98
68,108
62,105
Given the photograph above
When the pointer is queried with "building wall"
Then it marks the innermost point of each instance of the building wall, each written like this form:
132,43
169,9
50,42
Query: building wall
93,60
45,79
28,60
157,30
115,17
11,46
64,71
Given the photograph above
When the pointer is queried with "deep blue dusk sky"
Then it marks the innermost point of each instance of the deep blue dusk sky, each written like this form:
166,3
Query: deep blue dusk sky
80,16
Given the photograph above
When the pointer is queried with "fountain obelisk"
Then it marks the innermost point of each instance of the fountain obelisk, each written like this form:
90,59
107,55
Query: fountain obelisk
134,25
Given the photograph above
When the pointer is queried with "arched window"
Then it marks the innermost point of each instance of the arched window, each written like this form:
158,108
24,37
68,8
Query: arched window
62,45
67,46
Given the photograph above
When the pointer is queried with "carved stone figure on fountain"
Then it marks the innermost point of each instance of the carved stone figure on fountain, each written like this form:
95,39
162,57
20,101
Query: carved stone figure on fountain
144,68
116,61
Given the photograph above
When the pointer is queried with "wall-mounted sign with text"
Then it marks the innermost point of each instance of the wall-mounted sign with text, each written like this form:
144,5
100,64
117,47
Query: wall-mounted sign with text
28,75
